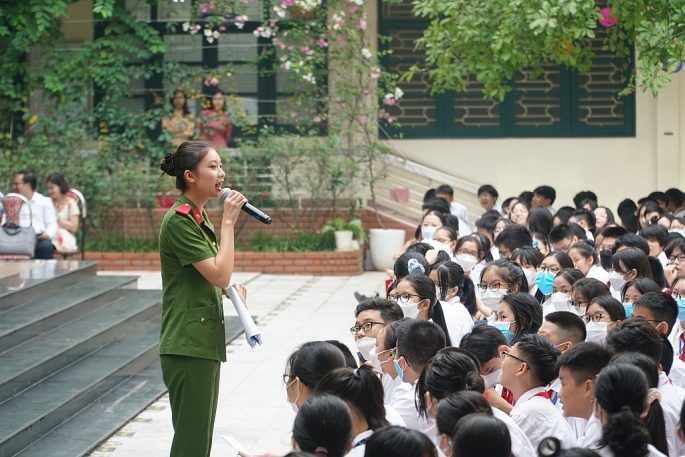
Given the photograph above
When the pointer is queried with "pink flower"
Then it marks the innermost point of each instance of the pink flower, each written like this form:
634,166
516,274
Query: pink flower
222,28
367,91
304,48
361,24
389,101
362,119
341,39
216,34
375,73
353,8
214,82
212,5
206,83
291,47
392,143
293,115
203,8
390,120
281,46
287,3
311,41
322,43
272,24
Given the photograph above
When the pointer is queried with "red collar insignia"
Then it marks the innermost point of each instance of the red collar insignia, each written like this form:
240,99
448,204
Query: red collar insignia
197,216
184,209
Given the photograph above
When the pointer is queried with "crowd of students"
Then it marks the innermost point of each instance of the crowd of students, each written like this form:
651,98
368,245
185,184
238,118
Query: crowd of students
534,332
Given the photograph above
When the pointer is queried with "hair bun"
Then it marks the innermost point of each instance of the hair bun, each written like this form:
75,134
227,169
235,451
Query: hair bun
167,165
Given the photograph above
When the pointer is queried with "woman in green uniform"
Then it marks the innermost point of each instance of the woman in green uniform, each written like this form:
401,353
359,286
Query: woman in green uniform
195,269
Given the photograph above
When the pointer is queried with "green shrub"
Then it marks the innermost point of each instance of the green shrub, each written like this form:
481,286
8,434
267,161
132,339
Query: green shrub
119,243
295,242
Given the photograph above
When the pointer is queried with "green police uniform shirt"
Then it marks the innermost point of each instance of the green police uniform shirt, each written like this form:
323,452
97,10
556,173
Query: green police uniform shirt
192,310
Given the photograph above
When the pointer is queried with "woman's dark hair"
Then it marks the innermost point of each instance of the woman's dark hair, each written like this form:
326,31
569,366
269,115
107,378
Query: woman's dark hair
451,274
510,272
610,216
441,216
214,92
401,267
552,447
58,180
390,335
324,422
451,370
440,259
483,342
450,231
186,111
543,238
507,203
479,435
397,441
677,278
612,306
349,358
485,245
563,214
590,288
586,250
425,289
457,405
473,239
312,361
527,256
627,211
643,285
451,221
540,220
571,275
632,258
655,415
621,391
359,387
561,257
527,314
187,156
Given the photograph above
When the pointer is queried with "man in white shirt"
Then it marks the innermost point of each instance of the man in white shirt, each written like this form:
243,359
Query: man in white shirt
657,238
43,216
456,208
526,369
544,196
487,197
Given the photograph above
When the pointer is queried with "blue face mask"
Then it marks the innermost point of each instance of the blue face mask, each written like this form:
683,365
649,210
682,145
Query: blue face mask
400,373
504,328
681,308
428,232
544,280
629,309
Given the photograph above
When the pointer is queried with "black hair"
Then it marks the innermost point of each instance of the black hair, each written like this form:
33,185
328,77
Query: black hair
643,285
186,111
578,231
527,314
450,371
676,196
488,222
215,91
526,196
437,204
561,257
679,243
613,231
483,342
560,232
586,250
570,325
420,247
547,192
187,157
563,214
541,238
655,415
587,216
527,256
666,354
571,275
457,405
551,447
453,234
507,202
629,259
441,258
612,306
632,241
325,422
636,335
583,195
510,272
484,245
350,361
676,280
418,341
439,214
662,306
627,211
655,232
445,190
401,267
488,189
312,361
360,388
610,216
621,390
451,274
585,360
477,435
590,288
429,195
397,441
451,221
425,289
29,178
540,220
390,335
541,356
474,239
299,454
390,311
58,180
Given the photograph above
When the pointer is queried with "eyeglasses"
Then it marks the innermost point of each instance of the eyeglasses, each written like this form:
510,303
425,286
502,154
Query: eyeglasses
493,287
520,211
552,269
577,303
465,252
676,295
680,258
597,317
366,326
286,378
403,297
506,354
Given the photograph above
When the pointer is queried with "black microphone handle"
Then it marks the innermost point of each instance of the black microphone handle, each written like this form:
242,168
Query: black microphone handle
257,214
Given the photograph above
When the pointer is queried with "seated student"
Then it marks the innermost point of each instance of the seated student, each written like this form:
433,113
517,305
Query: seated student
637,335
584,291
519,213
486,224
604,243
512,238
604,314
350,360
455,372
657,238
561,237
445,239
430,222
578,370
526,369
544,196
456,292
399,442
563,215
529,260
456,208
507,205
323,425
675,251
372,315
604,217
382,359
621,392
634,289
518,314
586,220
551,264
540,221
564,329
417,342
628,264
560,300
487,197
677,335
585,259
497,279
477,435
469,254
585,198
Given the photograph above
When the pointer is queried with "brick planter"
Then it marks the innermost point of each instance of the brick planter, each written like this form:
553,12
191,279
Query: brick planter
294,263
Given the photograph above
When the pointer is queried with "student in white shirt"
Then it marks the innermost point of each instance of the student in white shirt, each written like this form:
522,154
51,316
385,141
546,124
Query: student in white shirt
583,292
621,394
586,220
561,292
586,260
371,315
456,208
323,425
481,434
487,197
657,238
634,289
526,369
457,294
518,314
382,359
43,216
677,335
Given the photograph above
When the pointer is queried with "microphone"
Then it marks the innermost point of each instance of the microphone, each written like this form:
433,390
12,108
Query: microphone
249,209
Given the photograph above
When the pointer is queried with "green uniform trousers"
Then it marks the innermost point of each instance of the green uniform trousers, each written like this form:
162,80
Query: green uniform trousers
193,385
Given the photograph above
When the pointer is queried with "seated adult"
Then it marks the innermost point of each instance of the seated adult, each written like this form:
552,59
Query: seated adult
43,218
68,214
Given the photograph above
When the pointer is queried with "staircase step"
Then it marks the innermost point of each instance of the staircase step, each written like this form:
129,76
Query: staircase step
28,363
38,410
25,322
43,280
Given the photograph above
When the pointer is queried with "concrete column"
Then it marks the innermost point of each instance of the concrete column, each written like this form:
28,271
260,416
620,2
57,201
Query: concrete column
668,137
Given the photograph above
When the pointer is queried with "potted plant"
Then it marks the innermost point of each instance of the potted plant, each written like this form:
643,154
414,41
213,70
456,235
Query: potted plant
345,233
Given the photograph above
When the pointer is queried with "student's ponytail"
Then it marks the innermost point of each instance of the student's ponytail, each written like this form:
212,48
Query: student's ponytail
323,426
425,289
626,435
467,294
438,316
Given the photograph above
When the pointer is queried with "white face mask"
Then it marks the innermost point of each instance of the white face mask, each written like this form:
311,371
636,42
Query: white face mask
409,308
530,276
466,262
365,345
559,301
293,404
375,361
492,379
596,332
491,299
617,281
446,248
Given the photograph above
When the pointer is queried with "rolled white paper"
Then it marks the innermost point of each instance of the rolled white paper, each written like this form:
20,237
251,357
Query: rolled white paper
252,333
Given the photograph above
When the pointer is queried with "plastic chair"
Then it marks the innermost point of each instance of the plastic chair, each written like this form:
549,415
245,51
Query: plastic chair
80,199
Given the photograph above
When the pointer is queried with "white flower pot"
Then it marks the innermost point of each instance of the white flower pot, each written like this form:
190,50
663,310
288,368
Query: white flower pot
343,240
384,243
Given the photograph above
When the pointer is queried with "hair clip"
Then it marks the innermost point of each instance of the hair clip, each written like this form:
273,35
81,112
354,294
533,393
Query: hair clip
535,244
414,264
321,449
356,373
169,162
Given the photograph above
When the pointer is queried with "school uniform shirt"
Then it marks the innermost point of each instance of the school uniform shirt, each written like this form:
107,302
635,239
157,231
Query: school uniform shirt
495,253
457,318
677,339
477,270
394,417
389,385
606,452
520,444
671,404
359,444
598,273
404,402
662,258
459,210
592,435
538,418
677,373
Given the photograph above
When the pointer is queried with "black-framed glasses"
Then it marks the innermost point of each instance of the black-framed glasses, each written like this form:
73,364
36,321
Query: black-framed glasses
366,326
680,258
577,304
493,287
506,354
286,378
596,317
676,295
553,269
403,297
